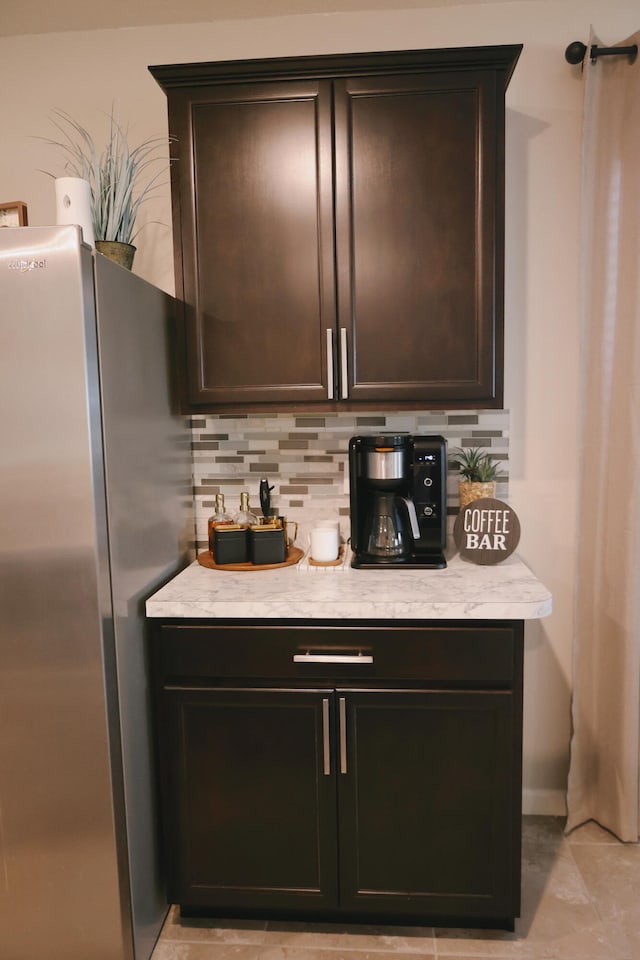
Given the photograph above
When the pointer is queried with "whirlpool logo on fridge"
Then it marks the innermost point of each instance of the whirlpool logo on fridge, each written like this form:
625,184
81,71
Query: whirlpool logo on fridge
26,265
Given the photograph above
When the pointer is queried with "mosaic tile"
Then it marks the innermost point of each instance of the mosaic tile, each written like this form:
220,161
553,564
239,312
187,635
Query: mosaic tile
371,421
305,457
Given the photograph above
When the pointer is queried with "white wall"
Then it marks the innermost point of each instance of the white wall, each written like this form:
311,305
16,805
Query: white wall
84,73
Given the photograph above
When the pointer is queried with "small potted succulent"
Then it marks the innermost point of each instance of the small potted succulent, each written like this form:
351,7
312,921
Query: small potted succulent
478,474
119,178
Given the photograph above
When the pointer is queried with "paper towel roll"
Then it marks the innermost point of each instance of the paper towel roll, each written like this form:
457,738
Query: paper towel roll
73,205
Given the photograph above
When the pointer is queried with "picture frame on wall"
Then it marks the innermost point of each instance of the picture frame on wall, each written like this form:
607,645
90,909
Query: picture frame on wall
13,214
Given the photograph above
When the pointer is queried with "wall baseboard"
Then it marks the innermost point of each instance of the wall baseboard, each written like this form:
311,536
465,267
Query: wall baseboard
546,803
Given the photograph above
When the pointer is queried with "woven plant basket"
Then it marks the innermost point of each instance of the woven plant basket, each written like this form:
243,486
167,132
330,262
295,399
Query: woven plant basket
474,490
122,253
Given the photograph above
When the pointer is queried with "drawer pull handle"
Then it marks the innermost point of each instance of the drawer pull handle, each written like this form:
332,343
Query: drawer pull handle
326,750
332,658
343,734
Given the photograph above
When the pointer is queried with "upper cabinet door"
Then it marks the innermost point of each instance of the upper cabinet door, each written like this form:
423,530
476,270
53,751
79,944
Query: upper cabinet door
419,236
254,178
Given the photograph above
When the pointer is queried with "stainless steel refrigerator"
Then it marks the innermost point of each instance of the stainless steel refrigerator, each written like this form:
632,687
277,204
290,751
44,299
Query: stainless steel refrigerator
95,513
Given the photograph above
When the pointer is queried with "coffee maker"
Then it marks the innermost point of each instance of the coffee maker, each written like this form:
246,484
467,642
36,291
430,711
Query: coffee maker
397,486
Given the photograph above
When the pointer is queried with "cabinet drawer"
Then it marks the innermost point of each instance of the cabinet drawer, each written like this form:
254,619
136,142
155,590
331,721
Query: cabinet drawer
446,655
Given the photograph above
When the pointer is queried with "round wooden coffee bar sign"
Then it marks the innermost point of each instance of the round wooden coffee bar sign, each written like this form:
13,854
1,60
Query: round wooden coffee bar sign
486,531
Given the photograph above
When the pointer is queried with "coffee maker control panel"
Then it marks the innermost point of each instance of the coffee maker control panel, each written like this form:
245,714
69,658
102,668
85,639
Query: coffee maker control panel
429,489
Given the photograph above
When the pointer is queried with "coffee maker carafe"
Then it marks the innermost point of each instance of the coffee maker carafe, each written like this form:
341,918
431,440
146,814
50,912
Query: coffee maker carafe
388,534
397,496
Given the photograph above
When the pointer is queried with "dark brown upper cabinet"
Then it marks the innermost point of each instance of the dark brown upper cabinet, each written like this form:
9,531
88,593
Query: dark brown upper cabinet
339,229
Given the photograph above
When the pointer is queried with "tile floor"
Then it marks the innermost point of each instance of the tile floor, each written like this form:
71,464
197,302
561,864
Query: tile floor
580,901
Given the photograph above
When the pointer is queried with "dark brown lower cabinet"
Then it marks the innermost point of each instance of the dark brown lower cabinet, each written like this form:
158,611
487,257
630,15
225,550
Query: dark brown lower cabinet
423,804
376,776
253,818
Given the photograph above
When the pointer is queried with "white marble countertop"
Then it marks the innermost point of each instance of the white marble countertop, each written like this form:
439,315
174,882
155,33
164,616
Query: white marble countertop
463,591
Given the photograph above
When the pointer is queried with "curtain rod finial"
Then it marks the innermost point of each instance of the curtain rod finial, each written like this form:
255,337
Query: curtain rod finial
575,52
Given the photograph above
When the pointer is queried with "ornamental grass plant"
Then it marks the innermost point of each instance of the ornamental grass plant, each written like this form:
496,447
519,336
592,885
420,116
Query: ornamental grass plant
120,177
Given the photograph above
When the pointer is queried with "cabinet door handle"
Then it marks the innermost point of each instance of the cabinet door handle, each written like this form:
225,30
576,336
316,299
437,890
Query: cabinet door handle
343,734
326,749
332,658
344,376
330,387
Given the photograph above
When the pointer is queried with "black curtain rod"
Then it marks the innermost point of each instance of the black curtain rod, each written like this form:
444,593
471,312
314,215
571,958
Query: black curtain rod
576,51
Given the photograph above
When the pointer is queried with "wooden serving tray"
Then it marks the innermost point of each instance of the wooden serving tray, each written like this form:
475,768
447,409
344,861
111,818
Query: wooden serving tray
294,555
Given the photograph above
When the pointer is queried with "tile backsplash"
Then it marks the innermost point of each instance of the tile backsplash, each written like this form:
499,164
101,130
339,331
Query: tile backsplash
305,458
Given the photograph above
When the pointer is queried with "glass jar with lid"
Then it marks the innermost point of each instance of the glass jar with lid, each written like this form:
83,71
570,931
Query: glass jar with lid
245,517
218,517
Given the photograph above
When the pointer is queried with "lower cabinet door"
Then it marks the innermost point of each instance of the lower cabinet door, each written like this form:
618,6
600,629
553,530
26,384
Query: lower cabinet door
429,804
250,803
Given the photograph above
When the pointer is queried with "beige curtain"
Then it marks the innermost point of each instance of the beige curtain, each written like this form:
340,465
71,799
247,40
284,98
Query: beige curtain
605,748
